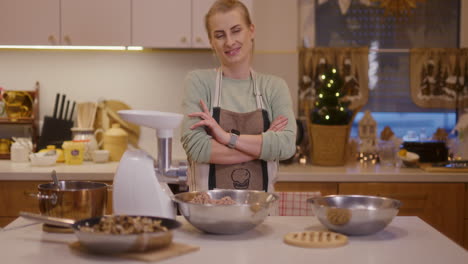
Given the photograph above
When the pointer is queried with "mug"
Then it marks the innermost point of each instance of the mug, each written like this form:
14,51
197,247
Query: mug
17,103
17,110
5,146
2,108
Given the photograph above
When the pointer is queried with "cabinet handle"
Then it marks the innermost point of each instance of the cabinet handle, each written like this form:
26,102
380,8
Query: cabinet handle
183,40
52,40
198,39
67,40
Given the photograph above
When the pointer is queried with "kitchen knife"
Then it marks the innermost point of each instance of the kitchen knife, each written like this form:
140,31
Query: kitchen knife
57,97
61,107
71,112
66,109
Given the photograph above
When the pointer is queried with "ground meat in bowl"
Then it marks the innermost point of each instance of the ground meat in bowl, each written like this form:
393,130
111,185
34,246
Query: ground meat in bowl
204,198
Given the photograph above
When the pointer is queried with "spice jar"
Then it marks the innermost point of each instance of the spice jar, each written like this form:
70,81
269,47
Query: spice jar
73,152
115,140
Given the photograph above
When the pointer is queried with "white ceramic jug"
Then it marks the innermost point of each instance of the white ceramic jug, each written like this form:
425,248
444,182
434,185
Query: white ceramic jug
87,135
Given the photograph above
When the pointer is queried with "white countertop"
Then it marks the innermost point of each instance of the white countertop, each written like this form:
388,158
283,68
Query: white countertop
405,240
10,171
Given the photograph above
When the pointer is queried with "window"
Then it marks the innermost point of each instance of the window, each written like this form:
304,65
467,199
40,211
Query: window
433,23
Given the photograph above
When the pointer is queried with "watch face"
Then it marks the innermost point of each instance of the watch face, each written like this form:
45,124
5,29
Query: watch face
235,132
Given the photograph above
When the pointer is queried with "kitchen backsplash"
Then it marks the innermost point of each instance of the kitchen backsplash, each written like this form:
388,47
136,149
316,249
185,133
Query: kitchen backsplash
149,80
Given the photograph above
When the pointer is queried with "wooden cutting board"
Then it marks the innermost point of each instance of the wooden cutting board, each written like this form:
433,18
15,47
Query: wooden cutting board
173,250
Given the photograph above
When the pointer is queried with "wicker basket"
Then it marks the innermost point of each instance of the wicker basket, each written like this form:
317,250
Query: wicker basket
328,144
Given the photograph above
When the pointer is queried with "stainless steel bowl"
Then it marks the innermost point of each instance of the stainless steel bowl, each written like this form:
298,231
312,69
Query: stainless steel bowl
354,214
251,209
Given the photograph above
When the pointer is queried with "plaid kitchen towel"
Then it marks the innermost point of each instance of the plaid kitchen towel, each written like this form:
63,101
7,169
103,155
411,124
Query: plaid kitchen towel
294,204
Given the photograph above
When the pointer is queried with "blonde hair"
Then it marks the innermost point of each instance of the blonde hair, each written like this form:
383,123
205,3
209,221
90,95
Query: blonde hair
224,6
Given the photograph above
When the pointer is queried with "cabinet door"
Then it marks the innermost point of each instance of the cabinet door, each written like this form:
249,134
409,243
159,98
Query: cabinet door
199,10
90,22
439,204
29,22
327,188
199,34
161,23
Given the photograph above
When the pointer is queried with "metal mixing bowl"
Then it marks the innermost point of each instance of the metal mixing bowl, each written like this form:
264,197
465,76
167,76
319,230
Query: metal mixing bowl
354,214
251,208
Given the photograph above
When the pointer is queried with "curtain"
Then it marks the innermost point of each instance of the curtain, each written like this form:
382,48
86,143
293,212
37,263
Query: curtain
438,77
351,63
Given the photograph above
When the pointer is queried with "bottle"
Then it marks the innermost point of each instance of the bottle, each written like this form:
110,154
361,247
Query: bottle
73,152
19,153
115,140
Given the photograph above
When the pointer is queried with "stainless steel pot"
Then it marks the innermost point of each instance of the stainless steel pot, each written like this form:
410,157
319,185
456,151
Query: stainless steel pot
72,199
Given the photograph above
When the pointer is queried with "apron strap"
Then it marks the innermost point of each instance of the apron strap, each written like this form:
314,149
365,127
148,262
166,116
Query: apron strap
219,82
258,94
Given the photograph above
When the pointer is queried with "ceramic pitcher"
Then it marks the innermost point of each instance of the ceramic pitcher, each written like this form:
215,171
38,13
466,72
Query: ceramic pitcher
115,141
88,135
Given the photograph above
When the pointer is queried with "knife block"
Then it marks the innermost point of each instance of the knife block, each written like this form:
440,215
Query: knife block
54,132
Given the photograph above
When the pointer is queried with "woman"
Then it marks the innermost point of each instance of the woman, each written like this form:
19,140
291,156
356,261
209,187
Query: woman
227,134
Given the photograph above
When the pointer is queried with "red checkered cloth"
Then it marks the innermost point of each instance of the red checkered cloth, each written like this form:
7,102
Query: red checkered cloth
295,203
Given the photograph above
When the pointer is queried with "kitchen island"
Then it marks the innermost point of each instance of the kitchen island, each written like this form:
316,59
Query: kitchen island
439,198
404,240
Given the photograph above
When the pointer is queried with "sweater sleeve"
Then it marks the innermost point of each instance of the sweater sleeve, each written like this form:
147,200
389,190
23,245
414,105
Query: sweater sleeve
196,142
279,145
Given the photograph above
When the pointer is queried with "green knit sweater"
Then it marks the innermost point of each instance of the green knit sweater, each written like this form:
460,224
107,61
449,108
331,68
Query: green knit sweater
238,96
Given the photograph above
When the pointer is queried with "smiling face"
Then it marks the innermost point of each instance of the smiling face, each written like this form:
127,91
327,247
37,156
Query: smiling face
231,37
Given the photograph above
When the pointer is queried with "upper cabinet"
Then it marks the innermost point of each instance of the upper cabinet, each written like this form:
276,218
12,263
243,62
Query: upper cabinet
29,22
199,34
90,22
161,23
65,22
147,23
171,24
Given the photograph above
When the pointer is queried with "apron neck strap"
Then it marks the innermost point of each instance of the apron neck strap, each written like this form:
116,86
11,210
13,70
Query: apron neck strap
219,82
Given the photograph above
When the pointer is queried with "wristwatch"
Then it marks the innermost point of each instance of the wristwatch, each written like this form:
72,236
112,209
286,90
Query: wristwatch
233,140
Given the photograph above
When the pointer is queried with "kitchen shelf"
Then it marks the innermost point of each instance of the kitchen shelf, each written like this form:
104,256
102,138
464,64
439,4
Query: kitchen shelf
16,121
32,121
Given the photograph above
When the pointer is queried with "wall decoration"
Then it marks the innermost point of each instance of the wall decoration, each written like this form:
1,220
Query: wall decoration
397,7
438,77
351,63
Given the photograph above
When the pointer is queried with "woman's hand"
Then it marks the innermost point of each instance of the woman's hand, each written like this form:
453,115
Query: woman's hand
279,124
210,124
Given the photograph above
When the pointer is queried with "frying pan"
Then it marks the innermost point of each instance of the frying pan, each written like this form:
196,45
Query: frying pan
112,243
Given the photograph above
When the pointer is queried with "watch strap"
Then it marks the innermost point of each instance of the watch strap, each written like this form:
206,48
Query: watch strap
233,140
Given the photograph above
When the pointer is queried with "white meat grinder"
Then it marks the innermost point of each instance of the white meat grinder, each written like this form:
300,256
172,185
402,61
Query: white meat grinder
139,187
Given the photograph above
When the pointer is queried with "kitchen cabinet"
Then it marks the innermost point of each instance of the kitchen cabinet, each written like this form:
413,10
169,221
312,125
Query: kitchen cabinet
324,188
442,205
171,24
29,22
89,22
466,217
161,23
14,198
65,22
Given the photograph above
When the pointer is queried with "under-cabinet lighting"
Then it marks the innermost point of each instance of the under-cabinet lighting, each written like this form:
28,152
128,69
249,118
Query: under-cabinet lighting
70,47
134,48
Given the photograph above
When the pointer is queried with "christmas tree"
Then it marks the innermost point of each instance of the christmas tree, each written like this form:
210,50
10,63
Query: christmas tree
330,108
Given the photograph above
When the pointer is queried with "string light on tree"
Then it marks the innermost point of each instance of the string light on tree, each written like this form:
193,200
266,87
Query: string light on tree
330,109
